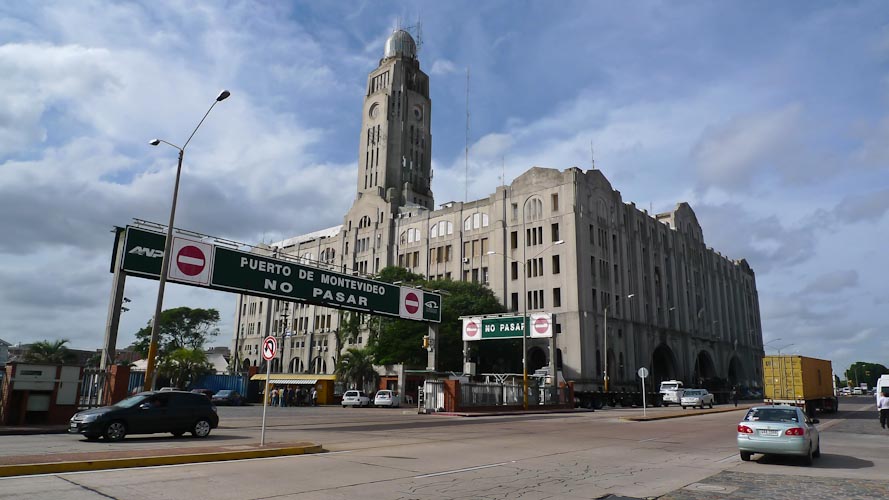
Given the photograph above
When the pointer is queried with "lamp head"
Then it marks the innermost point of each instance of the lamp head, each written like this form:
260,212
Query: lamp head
154,142
559,242
630,296
223,95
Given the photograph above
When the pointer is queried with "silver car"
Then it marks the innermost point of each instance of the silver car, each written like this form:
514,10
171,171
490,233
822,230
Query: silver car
778,430
696,397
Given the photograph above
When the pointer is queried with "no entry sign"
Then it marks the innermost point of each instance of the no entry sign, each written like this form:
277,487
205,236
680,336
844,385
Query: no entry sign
190,261
471,329
411,303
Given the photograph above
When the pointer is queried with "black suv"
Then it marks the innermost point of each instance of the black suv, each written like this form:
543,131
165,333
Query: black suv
176,412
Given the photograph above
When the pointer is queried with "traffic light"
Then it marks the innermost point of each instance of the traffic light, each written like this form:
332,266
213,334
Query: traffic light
425,341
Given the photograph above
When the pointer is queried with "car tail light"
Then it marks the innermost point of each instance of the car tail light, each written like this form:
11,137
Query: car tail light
795,431
743,429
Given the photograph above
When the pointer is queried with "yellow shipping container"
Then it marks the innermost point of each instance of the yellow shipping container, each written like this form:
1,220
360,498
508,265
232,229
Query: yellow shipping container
799,380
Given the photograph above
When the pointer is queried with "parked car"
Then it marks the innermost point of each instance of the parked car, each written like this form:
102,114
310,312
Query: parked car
227,397
387,398
176,412
779,430
845,391
858,391
696,397
355,398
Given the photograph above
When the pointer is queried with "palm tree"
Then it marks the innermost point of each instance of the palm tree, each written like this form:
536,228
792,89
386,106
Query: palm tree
356,366
50,352
184,366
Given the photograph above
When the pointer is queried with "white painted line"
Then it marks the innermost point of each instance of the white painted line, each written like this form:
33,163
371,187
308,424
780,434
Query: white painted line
149,467
647,440
463,470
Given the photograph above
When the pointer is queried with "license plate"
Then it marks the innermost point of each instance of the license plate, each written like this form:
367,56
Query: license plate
768,433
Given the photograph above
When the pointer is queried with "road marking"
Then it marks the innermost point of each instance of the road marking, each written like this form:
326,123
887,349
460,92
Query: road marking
463,470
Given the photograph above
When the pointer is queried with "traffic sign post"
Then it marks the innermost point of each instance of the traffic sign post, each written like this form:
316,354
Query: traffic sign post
643,372
269,349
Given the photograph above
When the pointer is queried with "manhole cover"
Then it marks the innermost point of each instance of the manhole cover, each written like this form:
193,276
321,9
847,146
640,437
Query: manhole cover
711,488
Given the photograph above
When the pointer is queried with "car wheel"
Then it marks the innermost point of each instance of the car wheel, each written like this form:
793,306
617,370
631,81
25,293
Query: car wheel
817,452
115,431
683,407
711,405
344,406
745,456
201,428
809,458
177,434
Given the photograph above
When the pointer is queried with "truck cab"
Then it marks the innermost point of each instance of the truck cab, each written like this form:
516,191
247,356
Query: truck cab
671,392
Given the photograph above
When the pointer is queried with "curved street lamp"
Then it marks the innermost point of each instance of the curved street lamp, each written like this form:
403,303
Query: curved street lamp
162,282
524,262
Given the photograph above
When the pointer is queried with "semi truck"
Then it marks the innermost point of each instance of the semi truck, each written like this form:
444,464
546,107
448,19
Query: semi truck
799,381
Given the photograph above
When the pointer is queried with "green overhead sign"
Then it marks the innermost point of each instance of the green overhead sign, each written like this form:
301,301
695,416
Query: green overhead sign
507,327
258,275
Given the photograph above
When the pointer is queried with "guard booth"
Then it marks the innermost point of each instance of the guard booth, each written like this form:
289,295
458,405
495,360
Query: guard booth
323,384
35,394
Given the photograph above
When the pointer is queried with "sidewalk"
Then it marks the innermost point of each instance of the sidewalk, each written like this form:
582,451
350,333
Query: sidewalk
27,430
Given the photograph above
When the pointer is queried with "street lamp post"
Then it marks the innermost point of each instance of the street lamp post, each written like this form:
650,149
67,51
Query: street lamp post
524,264
784,347
165,262
605,334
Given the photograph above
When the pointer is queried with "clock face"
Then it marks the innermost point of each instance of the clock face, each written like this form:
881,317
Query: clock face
374,110
418,113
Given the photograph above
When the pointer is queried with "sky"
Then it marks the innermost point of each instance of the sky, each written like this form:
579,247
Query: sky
769,118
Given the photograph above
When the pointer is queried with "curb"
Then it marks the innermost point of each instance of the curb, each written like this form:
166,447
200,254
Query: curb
123,463
32,431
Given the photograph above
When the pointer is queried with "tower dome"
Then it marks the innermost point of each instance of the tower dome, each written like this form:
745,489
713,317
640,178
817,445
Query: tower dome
400,42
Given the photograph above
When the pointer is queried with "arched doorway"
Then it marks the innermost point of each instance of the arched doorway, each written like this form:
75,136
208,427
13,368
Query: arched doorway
705,370
663,365
736,374
245,365
536,359
296,366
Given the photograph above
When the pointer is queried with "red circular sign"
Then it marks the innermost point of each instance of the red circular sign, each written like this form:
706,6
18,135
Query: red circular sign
190,260
471,329
541,325
269,348
411,303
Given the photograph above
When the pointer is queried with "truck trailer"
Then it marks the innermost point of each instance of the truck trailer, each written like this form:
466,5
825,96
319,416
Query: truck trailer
799,381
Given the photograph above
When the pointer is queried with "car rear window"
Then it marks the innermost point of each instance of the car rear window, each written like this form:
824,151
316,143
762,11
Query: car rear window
772,415
351,394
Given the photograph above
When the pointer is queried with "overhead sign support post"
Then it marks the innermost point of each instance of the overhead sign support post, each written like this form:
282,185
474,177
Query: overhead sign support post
269,350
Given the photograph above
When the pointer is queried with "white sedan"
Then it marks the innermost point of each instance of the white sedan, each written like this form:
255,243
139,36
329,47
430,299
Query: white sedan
696,397
387,398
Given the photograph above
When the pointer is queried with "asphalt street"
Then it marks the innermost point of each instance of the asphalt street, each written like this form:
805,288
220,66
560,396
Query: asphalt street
395,453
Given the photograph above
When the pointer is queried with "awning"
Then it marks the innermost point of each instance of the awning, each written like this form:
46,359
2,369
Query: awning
290,381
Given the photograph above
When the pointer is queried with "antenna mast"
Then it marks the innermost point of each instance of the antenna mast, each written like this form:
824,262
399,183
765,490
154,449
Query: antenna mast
592,155
466,194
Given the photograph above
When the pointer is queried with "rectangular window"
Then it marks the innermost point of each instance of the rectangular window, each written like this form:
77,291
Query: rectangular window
515,302
514,240
555,232
447,253
557,297
555,198
556,266
484,246
416,259
515,211
485,275
595,301
466,247
515,270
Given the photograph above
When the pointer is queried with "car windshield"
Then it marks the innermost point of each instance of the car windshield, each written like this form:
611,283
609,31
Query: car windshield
669,387
772,415
383,393
692,392
131,401
223,393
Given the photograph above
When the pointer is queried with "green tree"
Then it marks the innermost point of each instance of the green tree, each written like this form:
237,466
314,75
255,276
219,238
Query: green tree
184,366
181,327
864,372
356,366
51,352
401,341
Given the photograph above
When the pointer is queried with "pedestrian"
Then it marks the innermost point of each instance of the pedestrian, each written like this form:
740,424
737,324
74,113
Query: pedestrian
883,408
314,397
734,395
283,399
274,401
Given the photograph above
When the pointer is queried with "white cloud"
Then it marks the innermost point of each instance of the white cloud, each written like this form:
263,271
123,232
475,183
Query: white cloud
443,67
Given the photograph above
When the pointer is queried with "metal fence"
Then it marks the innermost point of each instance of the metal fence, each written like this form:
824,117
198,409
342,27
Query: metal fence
433,395
213,382
472,394
93,383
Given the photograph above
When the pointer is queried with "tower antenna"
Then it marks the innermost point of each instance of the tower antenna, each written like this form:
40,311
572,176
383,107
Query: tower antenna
592,155
466,194
417,30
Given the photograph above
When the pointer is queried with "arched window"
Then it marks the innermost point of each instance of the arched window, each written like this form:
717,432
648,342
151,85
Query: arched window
442,228
533,209
306,258
433,231
364,222
475,221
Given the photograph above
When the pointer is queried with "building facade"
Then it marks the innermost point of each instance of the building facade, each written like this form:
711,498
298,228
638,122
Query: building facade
557,241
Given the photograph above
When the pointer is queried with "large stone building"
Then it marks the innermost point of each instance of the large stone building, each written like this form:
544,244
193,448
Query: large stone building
556,241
